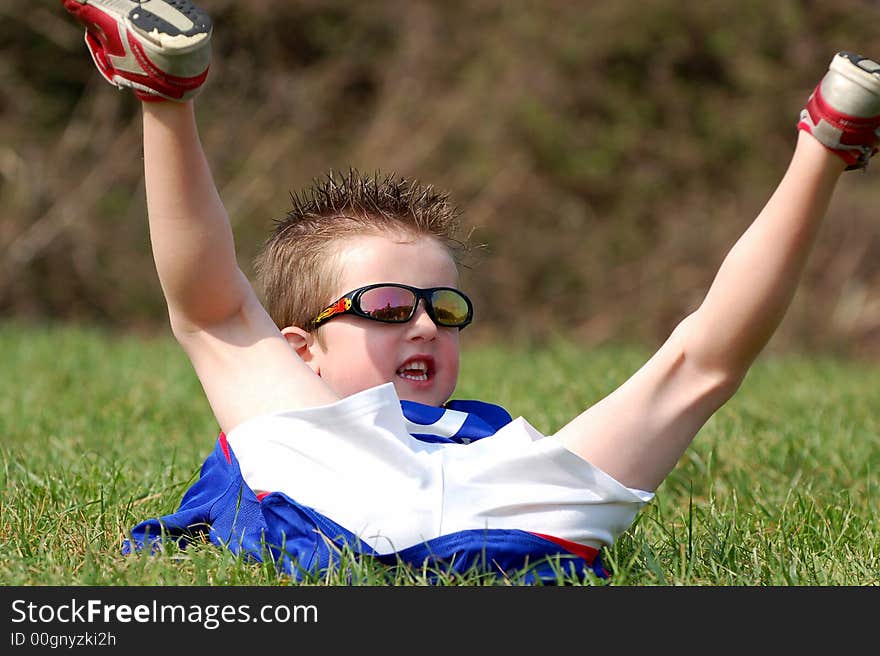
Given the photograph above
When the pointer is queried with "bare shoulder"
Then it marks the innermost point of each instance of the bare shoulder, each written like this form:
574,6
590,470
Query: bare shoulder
247,368
638,432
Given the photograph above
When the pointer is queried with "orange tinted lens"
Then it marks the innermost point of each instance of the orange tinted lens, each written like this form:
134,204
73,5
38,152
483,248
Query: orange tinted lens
450,308
388,303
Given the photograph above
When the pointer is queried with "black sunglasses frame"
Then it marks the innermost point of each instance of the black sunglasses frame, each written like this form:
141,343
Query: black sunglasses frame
350,304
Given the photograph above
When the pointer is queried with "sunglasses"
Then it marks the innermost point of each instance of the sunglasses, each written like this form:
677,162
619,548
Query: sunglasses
394,303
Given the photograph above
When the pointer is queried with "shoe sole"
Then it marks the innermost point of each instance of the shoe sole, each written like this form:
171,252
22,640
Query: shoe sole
852,85
167,28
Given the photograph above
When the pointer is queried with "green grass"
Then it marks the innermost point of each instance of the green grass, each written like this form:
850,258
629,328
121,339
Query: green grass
102,431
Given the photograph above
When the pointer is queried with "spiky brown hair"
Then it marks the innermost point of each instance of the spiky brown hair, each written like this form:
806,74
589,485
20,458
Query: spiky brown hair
295,267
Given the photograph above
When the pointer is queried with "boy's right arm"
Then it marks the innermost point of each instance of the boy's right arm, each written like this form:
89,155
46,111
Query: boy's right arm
245,365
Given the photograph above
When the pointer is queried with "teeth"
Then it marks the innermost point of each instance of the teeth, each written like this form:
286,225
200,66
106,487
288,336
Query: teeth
416,370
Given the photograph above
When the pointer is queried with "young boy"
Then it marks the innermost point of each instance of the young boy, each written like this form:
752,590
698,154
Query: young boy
337,429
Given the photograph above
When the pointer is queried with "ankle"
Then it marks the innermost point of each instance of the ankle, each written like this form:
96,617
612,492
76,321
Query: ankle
810,149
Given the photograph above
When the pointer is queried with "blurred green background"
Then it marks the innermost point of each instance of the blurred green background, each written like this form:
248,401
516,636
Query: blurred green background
608,154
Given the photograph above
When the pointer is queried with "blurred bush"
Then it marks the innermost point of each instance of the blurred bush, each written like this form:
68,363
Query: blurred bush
607,153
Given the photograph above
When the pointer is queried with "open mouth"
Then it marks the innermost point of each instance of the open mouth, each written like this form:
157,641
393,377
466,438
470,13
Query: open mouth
416,369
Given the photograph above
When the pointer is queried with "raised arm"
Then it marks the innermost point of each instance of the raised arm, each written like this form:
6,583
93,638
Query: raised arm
638,432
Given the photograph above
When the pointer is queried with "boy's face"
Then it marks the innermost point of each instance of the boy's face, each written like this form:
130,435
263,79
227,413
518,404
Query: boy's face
419,357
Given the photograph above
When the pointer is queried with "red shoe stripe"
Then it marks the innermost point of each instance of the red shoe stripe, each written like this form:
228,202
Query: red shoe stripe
173,82
860,131
100,25
106,38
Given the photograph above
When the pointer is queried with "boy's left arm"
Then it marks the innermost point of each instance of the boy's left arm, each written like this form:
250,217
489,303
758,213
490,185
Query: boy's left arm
638,432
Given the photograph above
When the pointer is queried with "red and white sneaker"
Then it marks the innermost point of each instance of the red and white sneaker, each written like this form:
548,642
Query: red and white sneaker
843,113
159,48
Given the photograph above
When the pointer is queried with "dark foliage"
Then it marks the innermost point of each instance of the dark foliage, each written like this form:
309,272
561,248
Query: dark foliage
608,153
